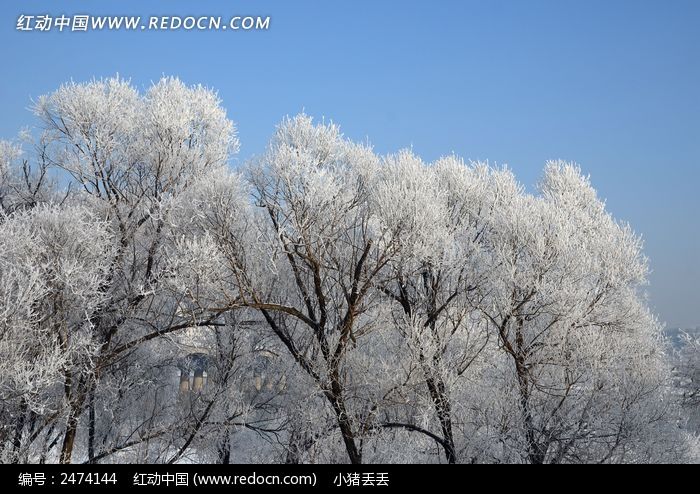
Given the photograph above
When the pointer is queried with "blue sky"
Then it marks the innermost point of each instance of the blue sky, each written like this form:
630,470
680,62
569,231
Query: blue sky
612,85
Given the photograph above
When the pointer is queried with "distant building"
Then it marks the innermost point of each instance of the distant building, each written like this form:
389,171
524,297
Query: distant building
193,371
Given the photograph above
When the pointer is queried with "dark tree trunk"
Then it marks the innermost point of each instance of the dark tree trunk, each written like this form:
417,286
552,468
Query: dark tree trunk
443,408
225,448
19,431
91,427
69,439
76,395
536,451
338,403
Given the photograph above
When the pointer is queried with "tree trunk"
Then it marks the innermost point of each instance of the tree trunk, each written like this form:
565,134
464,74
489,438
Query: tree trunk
76,394
443,408
536,453
338,404
69,438
19,431
91,426
433,379
225,448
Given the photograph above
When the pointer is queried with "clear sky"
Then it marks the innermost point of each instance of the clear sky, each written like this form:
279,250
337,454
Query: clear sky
613,85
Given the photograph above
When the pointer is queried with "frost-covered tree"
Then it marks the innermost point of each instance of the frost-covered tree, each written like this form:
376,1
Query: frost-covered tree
129,156
53,264
21,184
584,360
323,255
321,304
687,370
436,214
